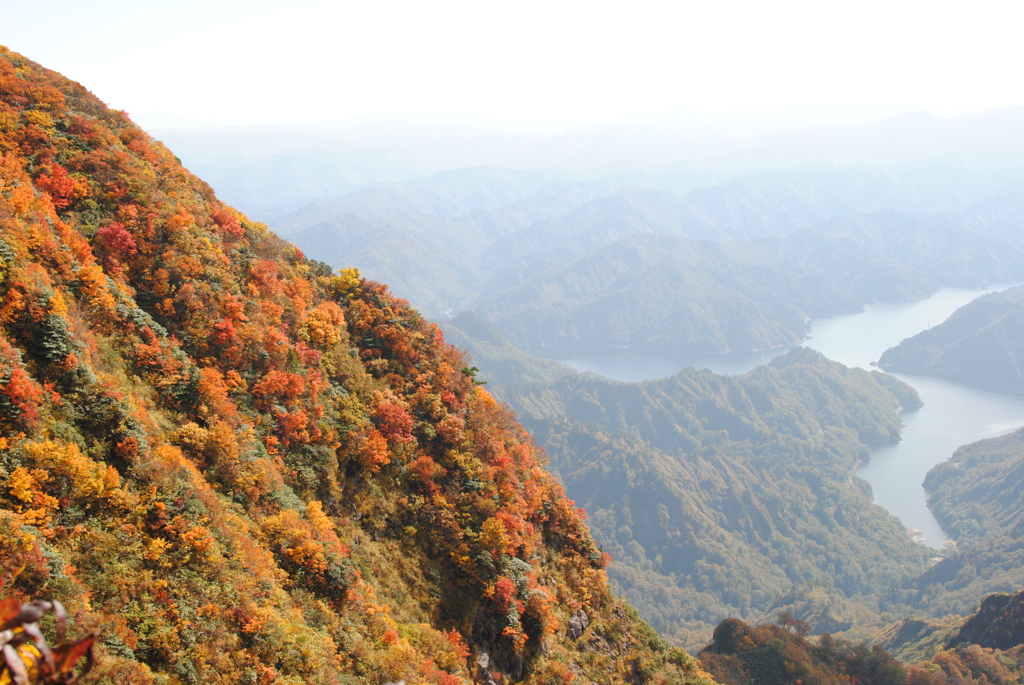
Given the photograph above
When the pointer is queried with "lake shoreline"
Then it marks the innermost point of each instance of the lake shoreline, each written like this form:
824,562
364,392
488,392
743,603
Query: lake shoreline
953,414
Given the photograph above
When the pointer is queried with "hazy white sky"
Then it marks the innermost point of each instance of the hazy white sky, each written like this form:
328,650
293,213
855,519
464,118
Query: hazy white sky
521,63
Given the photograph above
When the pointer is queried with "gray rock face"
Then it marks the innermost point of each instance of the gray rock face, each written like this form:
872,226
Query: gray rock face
578,622
483,671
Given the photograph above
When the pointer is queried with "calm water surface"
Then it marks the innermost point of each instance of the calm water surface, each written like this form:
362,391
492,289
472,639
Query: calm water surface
952,415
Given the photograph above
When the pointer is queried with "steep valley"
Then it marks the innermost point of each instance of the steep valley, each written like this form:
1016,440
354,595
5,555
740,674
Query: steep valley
724,496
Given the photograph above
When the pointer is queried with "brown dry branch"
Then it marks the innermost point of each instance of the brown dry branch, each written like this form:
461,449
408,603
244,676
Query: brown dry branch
27,657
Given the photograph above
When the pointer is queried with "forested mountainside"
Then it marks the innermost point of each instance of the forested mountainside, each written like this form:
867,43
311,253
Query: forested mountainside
986,651
986,648
723,496
979,344
242,467
979,491
915,639
916,163
741,654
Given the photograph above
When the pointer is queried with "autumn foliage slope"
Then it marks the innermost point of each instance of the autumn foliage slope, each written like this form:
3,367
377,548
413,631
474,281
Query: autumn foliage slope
242,467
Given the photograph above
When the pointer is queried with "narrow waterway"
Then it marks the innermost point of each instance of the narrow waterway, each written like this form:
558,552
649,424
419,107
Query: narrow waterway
952,415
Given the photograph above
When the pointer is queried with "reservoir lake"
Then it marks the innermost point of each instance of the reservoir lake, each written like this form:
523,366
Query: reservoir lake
952,415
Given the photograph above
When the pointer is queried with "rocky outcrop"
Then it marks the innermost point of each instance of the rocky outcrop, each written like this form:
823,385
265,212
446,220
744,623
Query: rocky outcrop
999,623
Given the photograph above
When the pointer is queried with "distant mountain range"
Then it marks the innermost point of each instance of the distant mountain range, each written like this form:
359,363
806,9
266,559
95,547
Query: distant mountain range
667,293
270,170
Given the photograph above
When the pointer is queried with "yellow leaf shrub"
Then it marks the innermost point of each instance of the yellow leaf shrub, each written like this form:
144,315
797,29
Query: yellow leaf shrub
88,478
324,324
